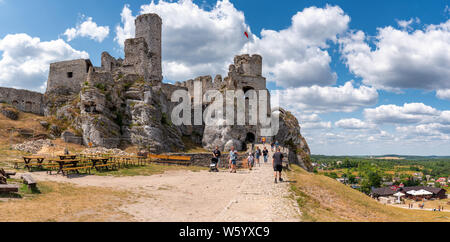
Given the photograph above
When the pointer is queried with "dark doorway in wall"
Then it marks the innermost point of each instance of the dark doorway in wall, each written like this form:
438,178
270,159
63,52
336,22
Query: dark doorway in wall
15,103
69,74
250,138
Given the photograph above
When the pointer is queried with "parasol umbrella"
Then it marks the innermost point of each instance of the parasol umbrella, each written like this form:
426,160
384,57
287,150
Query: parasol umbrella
412,192
399,195
423,192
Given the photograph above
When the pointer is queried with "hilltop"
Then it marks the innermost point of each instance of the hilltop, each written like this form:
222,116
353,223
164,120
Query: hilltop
324,199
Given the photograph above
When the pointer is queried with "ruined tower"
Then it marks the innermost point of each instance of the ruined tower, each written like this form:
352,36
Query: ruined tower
149,27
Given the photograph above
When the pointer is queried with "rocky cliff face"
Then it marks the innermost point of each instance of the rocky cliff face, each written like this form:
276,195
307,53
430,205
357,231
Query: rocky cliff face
117,109
289,135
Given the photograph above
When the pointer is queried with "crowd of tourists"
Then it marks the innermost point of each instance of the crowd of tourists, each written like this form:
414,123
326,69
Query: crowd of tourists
254,158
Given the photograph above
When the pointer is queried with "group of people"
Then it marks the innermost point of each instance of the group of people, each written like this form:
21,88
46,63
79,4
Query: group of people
254,158
439,209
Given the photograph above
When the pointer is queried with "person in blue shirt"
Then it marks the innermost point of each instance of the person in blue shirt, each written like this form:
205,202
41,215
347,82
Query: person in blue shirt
233,160
258,154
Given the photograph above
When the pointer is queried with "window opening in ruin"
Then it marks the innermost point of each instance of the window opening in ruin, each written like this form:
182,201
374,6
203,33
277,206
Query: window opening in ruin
69,74
246,89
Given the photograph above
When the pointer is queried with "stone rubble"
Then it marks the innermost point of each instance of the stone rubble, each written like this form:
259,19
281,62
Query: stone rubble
33,146
102,150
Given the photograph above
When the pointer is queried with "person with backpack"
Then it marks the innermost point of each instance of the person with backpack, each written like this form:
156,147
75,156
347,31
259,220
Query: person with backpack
278,165
217,154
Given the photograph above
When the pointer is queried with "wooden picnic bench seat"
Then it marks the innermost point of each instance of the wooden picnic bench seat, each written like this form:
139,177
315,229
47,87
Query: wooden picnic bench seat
108,165
9,188
68,169
29,180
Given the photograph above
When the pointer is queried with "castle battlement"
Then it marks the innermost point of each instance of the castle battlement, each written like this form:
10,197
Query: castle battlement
248,65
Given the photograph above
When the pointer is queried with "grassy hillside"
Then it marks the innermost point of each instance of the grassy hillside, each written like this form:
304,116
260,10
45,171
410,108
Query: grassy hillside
323,199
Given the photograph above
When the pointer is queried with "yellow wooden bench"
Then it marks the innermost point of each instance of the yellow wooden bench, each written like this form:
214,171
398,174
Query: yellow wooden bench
171,159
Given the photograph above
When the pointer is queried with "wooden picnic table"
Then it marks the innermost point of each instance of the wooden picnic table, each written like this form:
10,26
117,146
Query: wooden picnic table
28,159
61,164
68,157
96,160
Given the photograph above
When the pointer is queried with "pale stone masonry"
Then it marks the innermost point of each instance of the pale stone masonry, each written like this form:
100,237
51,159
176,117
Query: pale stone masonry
23,100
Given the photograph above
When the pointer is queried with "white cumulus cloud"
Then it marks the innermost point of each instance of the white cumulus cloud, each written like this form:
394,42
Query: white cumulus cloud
407,114
401,59
25,60
199,41
87,28
354,123
346,98
297,56
443,94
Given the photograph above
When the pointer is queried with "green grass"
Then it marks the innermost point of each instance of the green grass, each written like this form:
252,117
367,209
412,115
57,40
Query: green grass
25,191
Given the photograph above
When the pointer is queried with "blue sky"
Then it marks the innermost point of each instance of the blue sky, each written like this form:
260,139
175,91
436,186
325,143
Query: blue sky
363,77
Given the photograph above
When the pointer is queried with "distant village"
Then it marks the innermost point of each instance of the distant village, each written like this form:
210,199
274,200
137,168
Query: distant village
395,188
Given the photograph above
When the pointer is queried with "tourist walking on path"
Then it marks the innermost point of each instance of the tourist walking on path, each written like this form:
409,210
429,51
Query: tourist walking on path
258,156
277,145
233,160
265,154
272,145
250,161
217,154
278,165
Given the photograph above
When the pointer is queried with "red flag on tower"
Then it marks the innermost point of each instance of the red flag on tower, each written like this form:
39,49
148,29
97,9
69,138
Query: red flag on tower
246,34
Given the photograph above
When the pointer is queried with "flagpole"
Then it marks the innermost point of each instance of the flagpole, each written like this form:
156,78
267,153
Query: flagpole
248,42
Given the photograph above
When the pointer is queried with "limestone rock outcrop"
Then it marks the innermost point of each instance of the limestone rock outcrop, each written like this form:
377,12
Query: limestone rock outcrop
289,135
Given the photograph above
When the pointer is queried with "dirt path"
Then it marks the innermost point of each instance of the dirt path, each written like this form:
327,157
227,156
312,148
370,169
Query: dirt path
248,196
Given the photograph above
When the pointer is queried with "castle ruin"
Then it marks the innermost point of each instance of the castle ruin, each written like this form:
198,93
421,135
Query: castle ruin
124,101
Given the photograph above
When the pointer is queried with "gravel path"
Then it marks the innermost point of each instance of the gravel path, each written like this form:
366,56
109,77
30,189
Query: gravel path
185,196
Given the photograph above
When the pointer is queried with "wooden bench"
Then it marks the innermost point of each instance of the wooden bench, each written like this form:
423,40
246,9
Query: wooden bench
171,160
109,165
6,173
9,188
68,169
29,180
52,167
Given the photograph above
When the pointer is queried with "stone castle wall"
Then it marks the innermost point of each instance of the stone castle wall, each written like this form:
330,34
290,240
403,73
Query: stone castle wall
23,100
68,75
149,27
